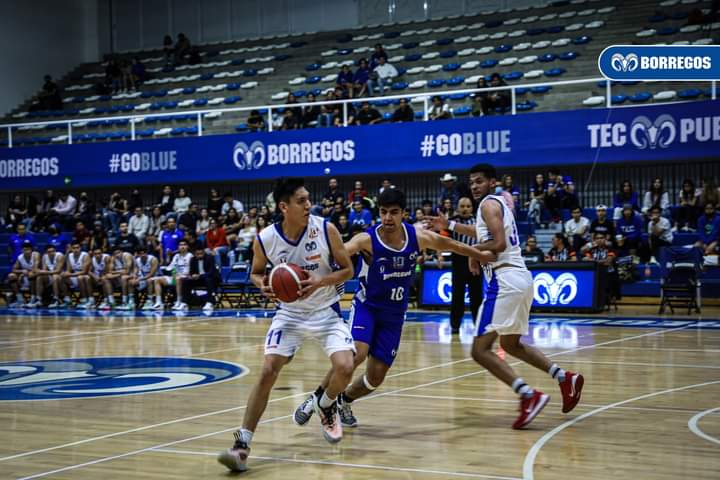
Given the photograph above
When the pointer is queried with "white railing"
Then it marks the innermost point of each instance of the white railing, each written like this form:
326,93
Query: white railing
423,97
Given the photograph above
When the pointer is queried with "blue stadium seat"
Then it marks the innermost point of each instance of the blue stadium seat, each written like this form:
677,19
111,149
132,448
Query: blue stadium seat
454,81
399,86
438,82
237,61
312,80
503,48
232,99
413,57
521,91
188,90
283,57
548,57
568,55
241,127
493,23
300,93
679,15
582,40
690,93
298,44
387,116
668,31
250,72
232,86
525,106
401,71
312,67
451,67
462,111
535,31
555,72
419,115
380,103
489,63
200,102
458,96
316,91
391,34
541,89
555,29
410,45
145,133
346,38
448,54
618,99
513,76
640,97
444,41
657,18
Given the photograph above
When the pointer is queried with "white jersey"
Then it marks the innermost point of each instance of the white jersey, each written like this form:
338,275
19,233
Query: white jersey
76,263
120,262
50,264
311,252
181,263
512,255
143,269
26,264
98,267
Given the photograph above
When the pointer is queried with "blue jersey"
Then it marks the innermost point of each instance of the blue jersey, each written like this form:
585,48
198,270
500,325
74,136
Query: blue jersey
385,282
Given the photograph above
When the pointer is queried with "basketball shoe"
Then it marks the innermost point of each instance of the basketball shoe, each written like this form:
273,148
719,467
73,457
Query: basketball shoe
571,388
235,458
530,407
330,421
304,411
346,414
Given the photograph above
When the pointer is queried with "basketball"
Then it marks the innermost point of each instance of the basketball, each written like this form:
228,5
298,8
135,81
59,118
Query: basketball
285,281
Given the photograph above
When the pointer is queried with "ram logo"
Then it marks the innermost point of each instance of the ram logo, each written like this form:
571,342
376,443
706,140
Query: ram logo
548,290
249,158
647,134
622,63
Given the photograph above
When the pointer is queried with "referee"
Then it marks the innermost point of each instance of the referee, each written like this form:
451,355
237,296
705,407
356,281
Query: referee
461,275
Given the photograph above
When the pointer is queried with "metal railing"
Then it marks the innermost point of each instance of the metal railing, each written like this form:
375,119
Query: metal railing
423,97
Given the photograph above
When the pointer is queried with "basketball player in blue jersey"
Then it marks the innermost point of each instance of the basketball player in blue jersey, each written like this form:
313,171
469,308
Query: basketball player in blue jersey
505,310
389,251
316,246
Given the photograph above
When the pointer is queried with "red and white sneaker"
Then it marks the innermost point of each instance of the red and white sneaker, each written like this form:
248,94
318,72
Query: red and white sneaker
530,407
571,388
235,458
329,420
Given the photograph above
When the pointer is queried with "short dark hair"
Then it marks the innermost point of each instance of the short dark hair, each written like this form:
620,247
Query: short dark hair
487,170
27,245
286,188
183,241
391,197
655,207
576,208
140,248
199,246
74,242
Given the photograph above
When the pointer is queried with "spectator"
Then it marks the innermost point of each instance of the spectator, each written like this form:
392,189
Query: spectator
688,211
626,196
138,72
215,203
385,185
378,54
297,111
217,242
203,225
310,113
358,193
82,236
570,198
446,208
339,115
345,80
532,253
64,209
204,274
134,201
255,122
290,122
418,216
182,202
49,97
157,219
600,251
139,225
343,226
360,215
246,236
338,209
577,229
656,196
448,190
85,211
167,200
602,224
188,220
98,239
329,199
367,115
128,79
710,193
58,239
115,212
126,241
326,118
404,112
43,216
382,76
169,239
537,198
439,110
113,75
512,191
18,212
497,100
231,203
262,223
708,230
659,232
554,195
182,48
481,104
427,206
360,79
629,231
168,49
560,251
17,240
232,224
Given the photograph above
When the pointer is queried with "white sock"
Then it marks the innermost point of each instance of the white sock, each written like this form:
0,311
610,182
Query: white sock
158,299
522,388
124,298
325,401
557,373
246,436
19,297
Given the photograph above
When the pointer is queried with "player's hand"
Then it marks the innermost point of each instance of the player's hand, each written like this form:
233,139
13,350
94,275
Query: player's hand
474,266
267,290
437,224
309,285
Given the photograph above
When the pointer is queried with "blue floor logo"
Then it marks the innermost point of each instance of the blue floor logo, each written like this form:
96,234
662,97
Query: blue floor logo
108,376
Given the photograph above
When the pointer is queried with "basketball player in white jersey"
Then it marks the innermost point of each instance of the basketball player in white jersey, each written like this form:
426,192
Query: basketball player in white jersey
22,276
179,268
48,274
76,275
505,310
146,267
99,267
121,265
313,244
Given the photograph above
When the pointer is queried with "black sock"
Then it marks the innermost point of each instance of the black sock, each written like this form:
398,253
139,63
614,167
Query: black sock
345,399
319,392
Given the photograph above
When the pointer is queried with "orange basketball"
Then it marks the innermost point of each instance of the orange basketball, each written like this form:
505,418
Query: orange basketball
285,281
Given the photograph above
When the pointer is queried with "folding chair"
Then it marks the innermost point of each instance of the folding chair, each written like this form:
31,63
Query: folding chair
680,285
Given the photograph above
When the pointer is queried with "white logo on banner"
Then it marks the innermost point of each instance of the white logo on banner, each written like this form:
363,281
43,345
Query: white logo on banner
621,63
249,158
549,290
647,134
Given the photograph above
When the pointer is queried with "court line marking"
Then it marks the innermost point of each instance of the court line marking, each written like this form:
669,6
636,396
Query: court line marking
445,380
351,465
656,349
529,462
640,364
693,425
497,400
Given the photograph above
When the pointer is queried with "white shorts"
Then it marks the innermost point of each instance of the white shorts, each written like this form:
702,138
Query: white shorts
24,282
289,330
506,304
74,283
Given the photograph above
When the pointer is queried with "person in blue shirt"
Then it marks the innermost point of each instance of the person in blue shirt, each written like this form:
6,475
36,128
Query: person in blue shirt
360,80
58,239
169,240
360,215
709,230
345,80
629,231
625,196
17,240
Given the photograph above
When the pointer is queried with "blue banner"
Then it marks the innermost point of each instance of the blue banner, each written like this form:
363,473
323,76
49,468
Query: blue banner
660,62
664,132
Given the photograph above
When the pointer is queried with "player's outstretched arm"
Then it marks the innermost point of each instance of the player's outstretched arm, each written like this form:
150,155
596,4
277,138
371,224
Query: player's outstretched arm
431,240
359,243
441,223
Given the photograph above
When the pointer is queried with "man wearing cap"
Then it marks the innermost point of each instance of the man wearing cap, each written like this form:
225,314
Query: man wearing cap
602,225
449,189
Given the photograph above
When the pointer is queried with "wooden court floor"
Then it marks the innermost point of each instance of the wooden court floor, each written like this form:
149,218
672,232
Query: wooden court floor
650,408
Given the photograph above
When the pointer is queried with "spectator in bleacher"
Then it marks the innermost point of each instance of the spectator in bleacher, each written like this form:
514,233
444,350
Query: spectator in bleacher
204,274
168,239
126,241
166,201
360,79
128,79
449,189
446,208
345,80
532,253
385,185
427,207
98,239
439,110
708,230
602,224
418,216
188,220
18,212
710,192
43,214
182,202
560,251
297,111
168,49
330,198
138,72
255,122
577,229
368,115
343,227
359,215
570,198
289,122
139,224
629,231
262,223
687,213
157,220
358,193
481,104
512,190
659,232
404,112
232,224
115,212
555,194
537,199
377,55
497,99
17,240
182,48
245,239
231,203
58,239
601,251
215,203
656,196
135,200
203,225
113,75
50,97
64,209
82,236
338,210
86,209
381,76
326,118
626,196
310,113
217,242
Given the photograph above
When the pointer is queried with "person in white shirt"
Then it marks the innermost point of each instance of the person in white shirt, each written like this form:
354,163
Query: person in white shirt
180,269
439,110
577,229
382,76
659,231
182,202
656,196
48,275
231,203
22,276
64,209
139,224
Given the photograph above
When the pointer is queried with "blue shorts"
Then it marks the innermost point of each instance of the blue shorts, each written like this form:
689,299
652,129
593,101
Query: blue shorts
380,329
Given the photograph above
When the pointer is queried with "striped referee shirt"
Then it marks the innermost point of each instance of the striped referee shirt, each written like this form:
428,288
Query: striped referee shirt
464,238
